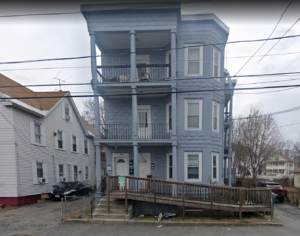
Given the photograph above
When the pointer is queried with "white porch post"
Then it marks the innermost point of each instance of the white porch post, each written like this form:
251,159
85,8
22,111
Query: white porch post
174,111
174,161
97,111
136,159
173,54
132,57
134,113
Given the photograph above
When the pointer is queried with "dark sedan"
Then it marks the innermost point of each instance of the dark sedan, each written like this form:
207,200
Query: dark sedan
71,189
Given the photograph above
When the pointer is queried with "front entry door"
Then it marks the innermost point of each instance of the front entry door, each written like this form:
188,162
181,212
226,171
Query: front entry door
121,165
144,170
144,121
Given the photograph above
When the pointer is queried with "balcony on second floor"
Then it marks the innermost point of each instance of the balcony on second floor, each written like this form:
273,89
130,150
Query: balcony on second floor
145,131
144,73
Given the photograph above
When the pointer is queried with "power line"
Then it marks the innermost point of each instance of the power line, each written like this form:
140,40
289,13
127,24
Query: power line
279,39
162,81
80,67
266,40
148,50
157,93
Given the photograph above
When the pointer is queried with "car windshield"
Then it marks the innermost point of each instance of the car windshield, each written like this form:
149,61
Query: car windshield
68,185
274,186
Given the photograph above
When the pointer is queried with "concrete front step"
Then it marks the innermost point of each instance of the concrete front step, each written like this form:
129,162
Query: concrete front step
119,202
104,206
108,216
112,211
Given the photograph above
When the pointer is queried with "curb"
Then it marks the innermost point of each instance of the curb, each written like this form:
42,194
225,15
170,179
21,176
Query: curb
154,223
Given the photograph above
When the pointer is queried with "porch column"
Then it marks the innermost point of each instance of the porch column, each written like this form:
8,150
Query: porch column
174,111
229,140
94,83
136,159
174,161
132,57
173,54
134,113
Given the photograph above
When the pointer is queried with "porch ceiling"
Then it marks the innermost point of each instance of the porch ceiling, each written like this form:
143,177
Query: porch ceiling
144,39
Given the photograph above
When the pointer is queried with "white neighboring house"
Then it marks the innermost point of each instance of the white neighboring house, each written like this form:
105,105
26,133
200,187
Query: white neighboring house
280,165
42,141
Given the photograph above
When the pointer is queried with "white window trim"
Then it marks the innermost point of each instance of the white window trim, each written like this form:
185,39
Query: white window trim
71,143
217,166
218,117
168,116
32,133
219,63
200,101
88,147
186,166
200,59
34,171
74,172
168,165
63,140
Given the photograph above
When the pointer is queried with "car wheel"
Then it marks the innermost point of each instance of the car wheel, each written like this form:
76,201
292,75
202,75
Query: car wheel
281,200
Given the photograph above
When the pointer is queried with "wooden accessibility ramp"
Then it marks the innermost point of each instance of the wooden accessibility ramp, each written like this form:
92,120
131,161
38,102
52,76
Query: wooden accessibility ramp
189,195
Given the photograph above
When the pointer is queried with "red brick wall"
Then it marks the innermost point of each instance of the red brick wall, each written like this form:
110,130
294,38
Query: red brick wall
17,201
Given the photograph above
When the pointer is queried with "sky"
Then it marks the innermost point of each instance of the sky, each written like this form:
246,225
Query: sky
61,36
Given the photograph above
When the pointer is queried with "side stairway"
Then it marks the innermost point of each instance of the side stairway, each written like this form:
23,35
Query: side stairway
117,210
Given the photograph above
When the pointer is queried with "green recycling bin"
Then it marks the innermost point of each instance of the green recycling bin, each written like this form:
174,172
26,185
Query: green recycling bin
273,203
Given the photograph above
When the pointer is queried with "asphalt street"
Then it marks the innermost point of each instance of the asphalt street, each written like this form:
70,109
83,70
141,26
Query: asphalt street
42,219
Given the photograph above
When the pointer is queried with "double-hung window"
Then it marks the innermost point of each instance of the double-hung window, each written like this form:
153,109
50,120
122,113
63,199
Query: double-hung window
193,166
61,171
39,170
215,167
169,166
169,117
87,173
59,139
75,173
193,60
215,116
193,114
37,133
85,147
216,63
74,143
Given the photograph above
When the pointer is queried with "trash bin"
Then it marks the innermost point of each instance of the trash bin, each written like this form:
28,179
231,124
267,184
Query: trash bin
273,203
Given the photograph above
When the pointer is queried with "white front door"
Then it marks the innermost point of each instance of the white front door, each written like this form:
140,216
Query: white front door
121,165
142,73
144,121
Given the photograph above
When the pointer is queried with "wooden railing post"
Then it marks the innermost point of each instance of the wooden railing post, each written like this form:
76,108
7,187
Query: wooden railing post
211,198
126,209
241,203
108,188
183,201
154,190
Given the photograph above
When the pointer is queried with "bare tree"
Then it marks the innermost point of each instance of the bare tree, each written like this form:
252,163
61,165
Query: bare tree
256,138
89,111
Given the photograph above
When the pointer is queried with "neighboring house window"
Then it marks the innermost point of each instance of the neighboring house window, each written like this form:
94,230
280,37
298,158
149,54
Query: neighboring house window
169,166
87,173
169,117
215,116
75,173
74,144
275,171
193,114
66,112
85,147
282,163
61,171
193,166
276,158
216,63
215,165
193,60
291,164
39,170
281,171
59,139
37,133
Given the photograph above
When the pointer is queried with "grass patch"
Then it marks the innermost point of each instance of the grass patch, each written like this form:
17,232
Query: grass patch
80,214
213,216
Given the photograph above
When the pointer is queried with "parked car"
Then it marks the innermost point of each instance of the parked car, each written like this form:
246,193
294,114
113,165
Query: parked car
276,188
71,189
